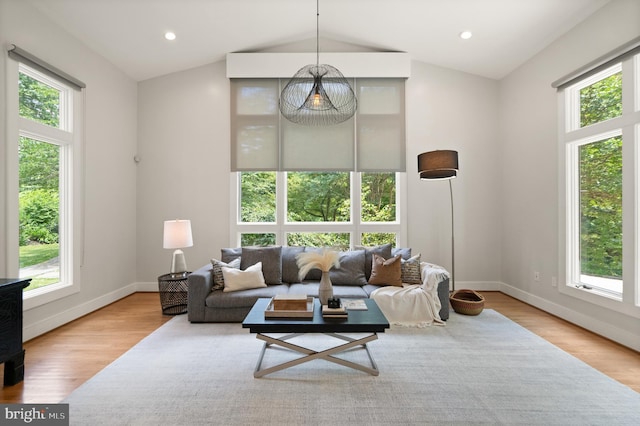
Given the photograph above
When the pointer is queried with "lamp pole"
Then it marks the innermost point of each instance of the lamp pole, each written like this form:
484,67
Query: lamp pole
453,257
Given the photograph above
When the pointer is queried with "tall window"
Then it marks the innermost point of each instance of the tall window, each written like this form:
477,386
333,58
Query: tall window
43,165
334,186
317,209
40,154
600,131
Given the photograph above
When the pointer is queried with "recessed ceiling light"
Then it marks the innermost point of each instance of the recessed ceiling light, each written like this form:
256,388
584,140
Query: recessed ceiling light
169,35
466,35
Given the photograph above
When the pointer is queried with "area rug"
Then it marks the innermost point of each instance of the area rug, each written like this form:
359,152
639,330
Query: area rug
481,369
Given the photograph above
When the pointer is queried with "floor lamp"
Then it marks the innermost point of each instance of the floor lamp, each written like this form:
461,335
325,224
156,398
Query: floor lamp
441,165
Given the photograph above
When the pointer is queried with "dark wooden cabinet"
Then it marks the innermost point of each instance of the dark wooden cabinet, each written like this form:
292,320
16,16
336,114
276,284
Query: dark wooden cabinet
11,351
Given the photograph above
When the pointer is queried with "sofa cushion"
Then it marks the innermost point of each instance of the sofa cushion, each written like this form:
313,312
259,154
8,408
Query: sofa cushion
289,264
405,252
351,271
386,271
236,279
218,277
314,274
349,292
411,270
271,258
243,299
229,254
310,288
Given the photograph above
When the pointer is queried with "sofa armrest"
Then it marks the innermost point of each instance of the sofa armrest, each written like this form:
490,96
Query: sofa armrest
200,285
436,279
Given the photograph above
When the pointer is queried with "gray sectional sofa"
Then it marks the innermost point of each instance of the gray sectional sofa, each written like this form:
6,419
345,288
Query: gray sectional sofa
207,302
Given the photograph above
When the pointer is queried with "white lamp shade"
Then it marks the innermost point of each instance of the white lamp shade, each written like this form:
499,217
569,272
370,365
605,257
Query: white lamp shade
177,234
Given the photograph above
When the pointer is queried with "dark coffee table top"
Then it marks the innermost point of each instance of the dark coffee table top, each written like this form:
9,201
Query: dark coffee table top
370,321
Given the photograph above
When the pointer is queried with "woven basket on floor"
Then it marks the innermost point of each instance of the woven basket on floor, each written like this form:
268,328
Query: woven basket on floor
467,302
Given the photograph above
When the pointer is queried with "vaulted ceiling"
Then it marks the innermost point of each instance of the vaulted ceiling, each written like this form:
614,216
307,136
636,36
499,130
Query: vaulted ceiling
130,33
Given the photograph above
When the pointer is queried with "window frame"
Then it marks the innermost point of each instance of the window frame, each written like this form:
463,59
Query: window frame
571,137
68,136
355,227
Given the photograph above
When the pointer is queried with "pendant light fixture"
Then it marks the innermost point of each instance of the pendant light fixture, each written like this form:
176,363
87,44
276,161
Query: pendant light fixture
318,94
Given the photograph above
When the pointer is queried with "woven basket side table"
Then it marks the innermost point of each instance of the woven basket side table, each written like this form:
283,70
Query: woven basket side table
173,293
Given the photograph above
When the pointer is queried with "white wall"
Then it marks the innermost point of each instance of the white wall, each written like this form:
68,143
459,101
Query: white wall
184,170
447,109
109,268
528,120
183,144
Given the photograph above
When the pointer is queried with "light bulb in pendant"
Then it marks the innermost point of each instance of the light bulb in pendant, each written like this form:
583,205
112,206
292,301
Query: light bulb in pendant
317,100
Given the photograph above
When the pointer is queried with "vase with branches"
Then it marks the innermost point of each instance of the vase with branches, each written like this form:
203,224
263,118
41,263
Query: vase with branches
323,260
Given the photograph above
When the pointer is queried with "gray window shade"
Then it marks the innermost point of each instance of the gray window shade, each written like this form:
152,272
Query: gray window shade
381,125
317,148
632,47
254,125
373,141
27,58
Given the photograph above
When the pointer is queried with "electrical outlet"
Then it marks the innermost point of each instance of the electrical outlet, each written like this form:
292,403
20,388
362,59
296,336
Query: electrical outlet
554,282
536,276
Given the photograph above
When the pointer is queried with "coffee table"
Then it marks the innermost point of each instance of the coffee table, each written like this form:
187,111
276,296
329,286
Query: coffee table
371,322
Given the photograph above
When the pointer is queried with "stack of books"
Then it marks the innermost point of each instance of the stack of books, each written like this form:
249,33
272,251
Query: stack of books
334,313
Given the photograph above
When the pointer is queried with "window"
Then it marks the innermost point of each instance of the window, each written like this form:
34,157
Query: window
39,159
600,126
317,209
43,166
337,186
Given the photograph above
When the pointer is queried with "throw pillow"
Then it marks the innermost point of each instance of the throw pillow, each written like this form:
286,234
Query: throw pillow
351,271
218,278
382,250
236,279
386,271
289,265
229,254
405,252
314,274
271,258
411,270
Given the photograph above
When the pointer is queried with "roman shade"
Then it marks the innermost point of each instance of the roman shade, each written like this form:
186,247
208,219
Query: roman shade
27,58
371,141
632,47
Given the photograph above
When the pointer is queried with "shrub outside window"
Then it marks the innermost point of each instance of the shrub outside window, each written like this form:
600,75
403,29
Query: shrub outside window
337,209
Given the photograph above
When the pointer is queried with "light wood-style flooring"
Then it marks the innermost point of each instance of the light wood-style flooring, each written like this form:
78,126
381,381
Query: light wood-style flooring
61,360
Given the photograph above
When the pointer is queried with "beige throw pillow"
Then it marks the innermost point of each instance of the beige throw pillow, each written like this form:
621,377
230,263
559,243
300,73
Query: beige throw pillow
386,271
235,279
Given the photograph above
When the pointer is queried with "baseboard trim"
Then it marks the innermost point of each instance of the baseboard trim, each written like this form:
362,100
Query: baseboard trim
147,286
608,331
36,329
479,285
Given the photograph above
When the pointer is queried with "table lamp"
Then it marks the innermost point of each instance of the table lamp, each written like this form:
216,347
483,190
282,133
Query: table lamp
177,235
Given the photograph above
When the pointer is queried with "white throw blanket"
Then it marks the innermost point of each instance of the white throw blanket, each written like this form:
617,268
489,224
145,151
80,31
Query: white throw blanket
413,305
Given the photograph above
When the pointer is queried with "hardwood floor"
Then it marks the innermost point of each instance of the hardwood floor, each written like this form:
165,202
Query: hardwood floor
58,362
61,360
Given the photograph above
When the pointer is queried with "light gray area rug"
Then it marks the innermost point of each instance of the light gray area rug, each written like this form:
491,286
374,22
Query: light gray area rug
475,370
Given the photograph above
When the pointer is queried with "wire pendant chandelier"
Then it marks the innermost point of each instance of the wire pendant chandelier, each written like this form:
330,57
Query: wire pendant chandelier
318,94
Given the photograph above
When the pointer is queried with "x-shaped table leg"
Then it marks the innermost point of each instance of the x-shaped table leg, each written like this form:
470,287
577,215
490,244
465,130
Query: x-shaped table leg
310,354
